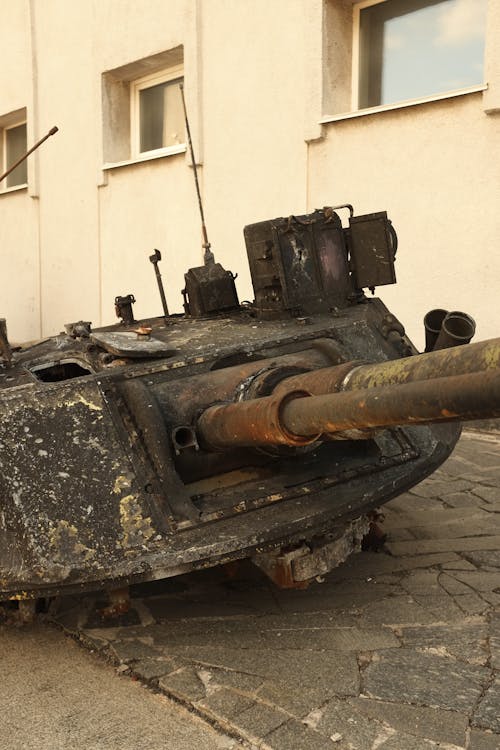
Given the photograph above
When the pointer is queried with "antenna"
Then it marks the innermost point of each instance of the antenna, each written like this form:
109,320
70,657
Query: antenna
208,257
25,156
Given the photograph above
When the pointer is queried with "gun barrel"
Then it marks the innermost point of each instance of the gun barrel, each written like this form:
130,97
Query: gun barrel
459,360
448,399
414,390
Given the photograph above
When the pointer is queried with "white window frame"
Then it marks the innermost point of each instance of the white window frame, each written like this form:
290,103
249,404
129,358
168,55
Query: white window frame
3,136
357,8
146,82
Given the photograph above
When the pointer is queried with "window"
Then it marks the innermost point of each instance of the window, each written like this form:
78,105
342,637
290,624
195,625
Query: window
412,49
12,147
143,117
157,112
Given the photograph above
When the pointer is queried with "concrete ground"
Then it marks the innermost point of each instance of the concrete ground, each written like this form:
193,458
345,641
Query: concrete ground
54,696
396,650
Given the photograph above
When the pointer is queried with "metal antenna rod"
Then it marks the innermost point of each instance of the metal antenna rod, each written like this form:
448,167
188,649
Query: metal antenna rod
208,256
25,156
154,260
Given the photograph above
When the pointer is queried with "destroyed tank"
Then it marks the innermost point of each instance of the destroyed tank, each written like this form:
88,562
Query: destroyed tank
269,430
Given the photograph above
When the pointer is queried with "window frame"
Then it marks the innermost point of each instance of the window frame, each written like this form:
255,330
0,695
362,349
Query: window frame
357,7
356,22
168,75
4,128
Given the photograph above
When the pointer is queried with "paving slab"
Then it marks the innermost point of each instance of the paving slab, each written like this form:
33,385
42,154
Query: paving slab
429,723
487,493
296,700
466,640
487,714
479,740
436,488
259,720
334,670
431,546
184,684
485,560
425,679
297,736
351,728
480,580
224,703
409,742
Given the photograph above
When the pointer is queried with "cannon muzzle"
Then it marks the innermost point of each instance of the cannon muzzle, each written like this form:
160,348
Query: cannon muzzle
449,385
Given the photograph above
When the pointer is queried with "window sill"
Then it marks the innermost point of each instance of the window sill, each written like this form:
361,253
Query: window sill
14,188
150,156
402,105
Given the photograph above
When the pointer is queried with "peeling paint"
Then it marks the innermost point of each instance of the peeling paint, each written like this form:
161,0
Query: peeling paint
66,545
121,483
136,528
80,399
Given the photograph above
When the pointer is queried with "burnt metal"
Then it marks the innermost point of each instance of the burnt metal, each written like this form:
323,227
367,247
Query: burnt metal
309,264
433,321
124,310
445,329
299,264
5,349
455,398
80,329
296,568
289,416
209,289
155,258
457,328
150,449
373,246
135,344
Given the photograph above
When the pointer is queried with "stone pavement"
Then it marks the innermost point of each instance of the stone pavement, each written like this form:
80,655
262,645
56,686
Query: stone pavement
396,650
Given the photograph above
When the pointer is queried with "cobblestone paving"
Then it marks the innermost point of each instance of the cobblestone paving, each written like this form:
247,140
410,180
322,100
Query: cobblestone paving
398,650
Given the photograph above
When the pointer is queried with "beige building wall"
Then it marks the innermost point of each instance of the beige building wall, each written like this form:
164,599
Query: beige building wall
267,85
19,217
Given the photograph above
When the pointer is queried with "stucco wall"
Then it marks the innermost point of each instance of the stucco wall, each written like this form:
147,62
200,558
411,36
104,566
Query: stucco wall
19,249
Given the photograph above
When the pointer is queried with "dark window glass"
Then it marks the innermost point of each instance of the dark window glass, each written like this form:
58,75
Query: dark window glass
15,147
161,116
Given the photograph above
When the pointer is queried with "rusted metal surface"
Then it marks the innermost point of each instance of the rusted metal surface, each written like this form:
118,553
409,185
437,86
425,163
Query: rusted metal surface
148,449
5,350
289,416
296,568
258,422
457,398
124,309
457,328
479,357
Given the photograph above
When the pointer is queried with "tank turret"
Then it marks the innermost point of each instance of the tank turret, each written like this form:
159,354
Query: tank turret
269,430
